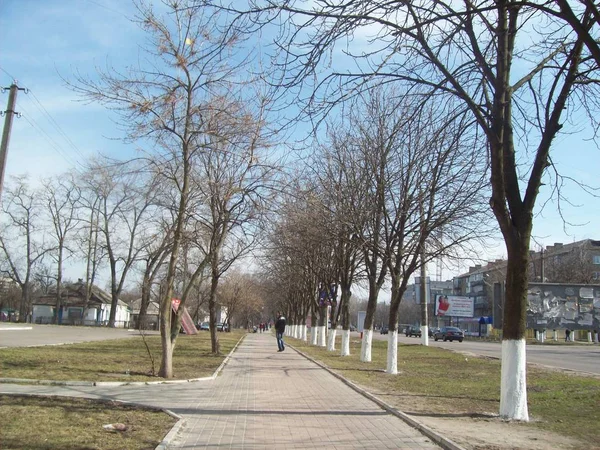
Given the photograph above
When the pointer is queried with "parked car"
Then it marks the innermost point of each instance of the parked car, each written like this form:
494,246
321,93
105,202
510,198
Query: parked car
384,330
431,331
449,334
204,326
413,331
222,326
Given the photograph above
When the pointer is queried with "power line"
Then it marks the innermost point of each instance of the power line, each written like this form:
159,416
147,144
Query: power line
35,125
55,145
2,69
55,124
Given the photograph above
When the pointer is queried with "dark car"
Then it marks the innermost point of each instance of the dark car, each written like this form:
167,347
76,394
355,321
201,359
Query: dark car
413,331
384,330
449,334
431,331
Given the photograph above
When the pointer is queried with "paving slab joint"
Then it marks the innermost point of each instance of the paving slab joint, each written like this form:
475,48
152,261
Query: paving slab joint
442,441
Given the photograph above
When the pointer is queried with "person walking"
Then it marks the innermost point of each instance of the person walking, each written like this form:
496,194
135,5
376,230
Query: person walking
567,335
279,330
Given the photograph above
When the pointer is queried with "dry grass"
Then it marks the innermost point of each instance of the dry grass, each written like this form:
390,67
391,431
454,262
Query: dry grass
72,423
115,360
438,382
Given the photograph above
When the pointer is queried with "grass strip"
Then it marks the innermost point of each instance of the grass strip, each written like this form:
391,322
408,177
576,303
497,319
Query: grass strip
74,423
116,360
435,381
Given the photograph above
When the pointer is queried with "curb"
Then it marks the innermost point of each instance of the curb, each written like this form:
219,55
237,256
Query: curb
122,383
164,444
442,441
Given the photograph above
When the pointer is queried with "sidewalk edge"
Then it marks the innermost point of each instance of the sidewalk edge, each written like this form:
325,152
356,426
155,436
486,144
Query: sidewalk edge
170,436
444,442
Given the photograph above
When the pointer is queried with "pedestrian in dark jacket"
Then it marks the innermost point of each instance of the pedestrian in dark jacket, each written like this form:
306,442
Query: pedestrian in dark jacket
279,330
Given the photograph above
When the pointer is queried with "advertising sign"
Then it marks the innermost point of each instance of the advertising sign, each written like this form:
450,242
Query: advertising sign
454,306
360,322
563,306
186,320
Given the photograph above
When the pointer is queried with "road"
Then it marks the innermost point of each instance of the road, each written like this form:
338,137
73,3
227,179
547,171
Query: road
27,334
577,357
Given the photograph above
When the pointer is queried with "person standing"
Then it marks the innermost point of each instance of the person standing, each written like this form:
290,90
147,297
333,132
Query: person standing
567,335
279,330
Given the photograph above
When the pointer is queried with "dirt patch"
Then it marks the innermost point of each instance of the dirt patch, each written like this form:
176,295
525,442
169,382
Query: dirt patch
479,430
495,434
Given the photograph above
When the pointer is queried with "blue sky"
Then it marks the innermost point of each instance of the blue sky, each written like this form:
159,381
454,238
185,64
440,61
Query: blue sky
42,40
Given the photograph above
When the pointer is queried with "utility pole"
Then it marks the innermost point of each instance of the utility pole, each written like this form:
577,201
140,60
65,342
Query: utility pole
9,113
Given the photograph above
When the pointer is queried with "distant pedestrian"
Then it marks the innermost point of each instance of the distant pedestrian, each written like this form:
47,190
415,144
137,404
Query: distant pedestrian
279,330
567,335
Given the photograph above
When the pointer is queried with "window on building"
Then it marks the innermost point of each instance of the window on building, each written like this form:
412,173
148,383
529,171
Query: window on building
596,275
596,259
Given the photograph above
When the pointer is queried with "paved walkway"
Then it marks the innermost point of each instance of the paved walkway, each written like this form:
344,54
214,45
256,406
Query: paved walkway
264,399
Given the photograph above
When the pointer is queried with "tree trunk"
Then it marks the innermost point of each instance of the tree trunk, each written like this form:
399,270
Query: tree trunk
59,287
392,350
322,341
513,391
212,311
365,351
346,295
313,327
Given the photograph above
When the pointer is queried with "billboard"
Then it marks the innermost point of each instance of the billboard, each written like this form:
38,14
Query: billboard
454,306
573,306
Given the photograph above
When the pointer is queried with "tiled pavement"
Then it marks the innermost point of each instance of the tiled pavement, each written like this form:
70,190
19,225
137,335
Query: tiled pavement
264,399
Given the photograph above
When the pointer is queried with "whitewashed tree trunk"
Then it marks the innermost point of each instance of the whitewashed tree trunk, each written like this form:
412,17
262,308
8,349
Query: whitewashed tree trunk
345,343
392,353
313,335
331,342
590,336
513,398
425,335
555,335
304,336
365,349
542,336
296,335
322,336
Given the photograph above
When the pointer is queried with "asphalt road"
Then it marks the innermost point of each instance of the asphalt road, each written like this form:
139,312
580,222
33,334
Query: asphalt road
27,334
577,357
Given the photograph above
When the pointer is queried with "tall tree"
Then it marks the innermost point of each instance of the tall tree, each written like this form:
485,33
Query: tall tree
124,196
22,239
61,197
190,60
517,73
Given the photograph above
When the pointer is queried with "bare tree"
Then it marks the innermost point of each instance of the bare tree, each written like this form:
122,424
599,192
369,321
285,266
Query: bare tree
519,93
61,196
190,62
124,197
21,239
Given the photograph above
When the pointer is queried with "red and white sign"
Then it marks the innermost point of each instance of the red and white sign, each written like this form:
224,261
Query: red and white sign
186,320
454,306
